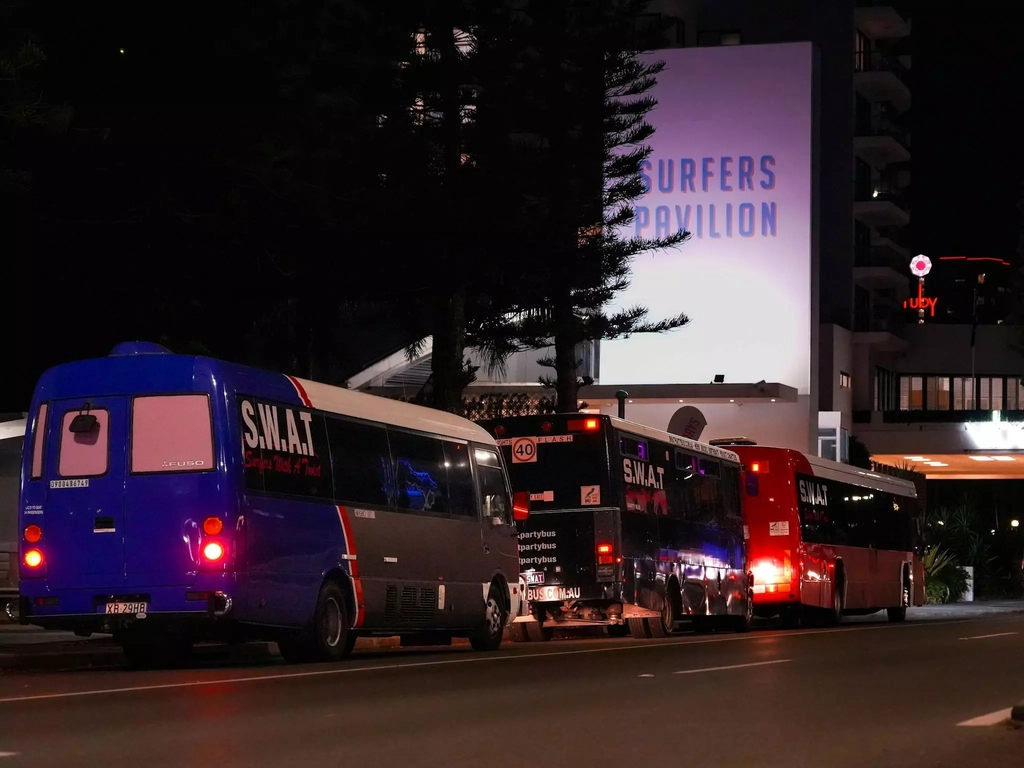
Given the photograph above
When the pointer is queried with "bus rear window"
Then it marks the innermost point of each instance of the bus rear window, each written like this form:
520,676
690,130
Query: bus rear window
171,433
84,454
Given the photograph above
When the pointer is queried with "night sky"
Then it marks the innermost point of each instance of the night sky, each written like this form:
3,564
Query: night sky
968,161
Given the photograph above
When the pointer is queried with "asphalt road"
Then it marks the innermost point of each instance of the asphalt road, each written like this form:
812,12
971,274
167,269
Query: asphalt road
867,695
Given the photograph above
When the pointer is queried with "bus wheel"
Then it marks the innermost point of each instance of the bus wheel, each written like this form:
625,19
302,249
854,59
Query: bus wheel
835,613
669,614
639,628
328,637
489,636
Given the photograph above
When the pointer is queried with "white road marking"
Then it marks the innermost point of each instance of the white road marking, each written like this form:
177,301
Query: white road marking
995,718
646,675
986,637
755,636
8,754
731,666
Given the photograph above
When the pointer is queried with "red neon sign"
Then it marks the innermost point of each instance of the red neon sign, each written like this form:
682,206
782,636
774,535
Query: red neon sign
921,302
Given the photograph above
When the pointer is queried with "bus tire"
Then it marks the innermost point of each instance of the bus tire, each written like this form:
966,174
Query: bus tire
639,628
328,637
834,615
670,611
489,636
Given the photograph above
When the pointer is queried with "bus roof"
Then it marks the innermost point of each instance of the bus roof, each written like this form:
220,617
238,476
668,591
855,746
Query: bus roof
676,440
347,402
12,429
138,368
844,473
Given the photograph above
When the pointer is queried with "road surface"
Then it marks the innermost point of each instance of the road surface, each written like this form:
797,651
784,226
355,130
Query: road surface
865,695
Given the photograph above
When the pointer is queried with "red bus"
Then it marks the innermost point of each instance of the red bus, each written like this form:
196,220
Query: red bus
827,539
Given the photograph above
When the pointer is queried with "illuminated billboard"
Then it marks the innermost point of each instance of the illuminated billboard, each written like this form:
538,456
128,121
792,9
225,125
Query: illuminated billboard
731,164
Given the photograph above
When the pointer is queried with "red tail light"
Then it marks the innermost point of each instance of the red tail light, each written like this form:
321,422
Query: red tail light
584,425
604,554
213,551
33,558
499,431
33,534
760,467
212,526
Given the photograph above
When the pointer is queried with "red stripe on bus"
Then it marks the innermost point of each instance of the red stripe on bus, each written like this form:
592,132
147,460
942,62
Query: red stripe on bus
353,564
301,390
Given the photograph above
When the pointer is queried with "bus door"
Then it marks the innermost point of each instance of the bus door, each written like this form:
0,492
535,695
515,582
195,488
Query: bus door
83,516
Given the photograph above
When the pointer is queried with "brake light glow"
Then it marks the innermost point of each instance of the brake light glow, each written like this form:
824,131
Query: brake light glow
761,467
769,573
33,558
213,551
33,534
212,526
604,554
604,549
584,425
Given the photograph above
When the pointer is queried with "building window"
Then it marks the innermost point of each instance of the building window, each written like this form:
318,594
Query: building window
938,393
911,393
991,394
862,51
887,390
711,37
1014,394
844,380
963,393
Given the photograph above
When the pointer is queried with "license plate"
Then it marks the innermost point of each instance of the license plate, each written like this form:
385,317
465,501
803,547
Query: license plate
131,609
546,594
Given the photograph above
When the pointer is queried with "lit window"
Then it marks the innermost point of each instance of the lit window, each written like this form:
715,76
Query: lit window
844,380
84,454
171,433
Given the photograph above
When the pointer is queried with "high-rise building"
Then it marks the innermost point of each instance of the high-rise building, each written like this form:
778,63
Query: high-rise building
906,354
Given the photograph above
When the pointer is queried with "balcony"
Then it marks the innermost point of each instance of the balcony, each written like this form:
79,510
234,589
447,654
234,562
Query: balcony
882,143
878,268
882,78
881,208
879,20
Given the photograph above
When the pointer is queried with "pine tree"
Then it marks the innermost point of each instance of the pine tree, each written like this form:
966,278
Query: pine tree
583,90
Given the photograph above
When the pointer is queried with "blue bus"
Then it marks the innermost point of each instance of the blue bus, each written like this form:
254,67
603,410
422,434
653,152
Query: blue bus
171,499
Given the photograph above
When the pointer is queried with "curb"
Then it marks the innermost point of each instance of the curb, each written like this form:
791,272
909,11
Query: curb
1017,713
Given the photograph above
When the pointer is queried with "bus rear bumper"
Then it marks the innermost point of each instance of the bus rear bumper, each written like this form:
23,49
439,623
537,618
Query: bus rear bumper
91,610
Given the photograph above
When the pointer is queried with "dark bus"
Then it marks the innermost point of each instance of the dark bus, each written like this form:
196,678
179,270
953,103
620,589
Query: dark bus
630,528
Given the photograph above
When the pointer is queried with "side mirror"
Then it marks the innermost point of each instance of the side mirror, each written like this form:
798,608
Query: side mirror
520,505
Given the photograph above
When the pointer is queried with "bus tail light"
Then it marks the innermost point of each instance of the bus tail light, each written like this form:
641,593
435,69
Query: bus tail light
605,554
499,431
213,552
212,526
33,534
33,558
759,467
768,573
584,425
520,505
